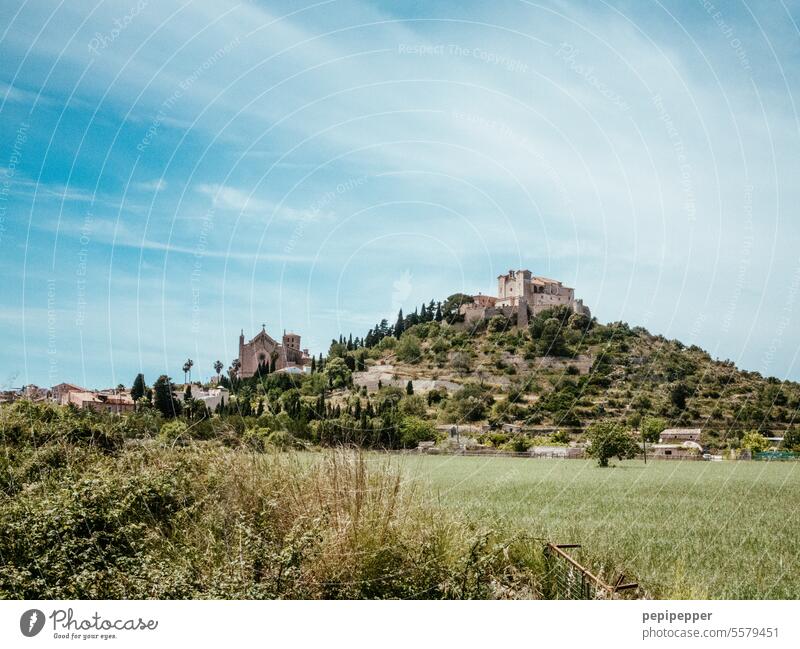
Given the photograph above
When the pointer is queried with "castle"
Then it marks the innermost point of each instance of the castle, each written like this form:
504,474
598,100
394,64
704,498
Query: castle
522,293
263,349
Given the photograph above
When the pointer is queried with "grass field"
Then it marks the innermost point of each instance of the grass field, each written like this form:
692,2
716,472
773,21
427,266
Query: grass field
682,529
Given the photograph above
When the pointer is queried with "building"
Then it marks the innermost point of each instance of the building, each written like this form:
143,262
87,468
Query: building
99,402
539,293
211,397
685,451
60,393
679,435
263,350
522,293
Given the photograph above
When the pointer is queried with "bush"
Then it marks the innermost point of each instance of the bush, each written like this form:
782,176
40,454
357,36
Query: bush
408,349
173,431
754,441
497,324
283,440
414,430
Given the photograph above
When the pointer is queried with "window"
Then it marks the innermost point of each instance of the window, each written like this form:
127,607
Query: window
667,452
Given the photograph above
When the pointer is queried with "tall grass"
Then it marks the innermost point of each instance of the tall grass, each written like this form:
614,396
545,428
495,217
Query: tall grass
205,521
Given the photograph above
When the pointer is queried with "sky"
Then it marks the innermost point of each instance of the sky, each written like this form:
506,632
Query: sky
172,173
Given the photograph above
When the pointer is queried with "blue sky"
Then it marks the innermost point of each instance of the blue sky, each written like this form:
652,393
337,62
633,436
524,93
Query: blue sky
171,173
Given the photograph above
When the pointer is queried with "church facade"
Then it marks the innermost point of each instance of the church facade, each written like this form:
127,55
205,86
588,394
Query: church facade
263,350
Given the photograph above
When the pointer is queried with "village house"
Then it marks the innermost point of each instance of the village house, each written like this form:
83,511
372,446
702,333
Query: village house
60,393
679,435
263,350
686,451
100,402
212,397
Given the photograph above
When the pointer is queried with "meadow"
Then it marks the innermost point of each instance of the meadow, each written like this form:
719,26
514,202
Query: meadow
97,507
681,529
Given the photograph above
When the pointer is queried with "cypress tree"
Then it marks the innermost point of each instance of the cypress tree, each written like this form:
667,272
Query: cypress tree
138,388
399,327
164,398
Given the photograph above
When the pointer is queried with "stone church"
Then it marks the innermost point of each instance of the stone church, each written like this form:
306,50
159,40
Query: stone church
263,349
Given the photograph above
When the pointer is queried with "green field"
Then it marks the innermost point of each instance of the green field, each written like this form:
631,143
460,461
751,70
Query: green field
682,529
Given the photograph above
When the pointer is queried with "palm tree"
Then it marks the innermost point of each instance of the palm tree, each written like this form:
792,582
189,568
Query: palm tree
235,367
218,368
187,369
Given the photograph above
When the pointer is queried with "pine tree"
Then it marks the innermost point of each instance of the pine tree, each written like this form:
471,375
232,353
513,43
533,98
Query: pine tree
438,317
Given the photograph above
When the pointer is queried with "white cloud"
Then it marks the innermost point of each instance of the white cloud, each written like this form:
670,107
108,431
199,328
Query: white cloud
156,185
230,198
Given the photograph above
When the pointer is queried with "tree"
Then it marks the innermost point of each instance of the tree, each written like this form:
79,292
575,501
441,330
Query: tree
399,326
452,304
678,394
607,440
551,340
651,429
138,388
218,368
337,372
290,402
187,369
414,430
754,441
791,438
236,365
164,397
409,388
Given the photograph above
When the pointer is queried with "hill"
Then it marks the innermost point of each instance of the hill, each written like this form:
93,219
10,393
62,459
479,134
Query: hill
565,371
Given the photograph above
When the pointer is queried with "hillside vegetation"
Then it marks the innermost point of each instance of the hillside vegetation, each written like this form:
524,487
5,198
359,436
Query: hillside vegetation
565,371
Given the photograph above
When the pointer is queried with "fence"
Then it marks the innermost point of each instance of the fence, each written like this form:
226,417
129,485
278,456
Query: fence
568,579
776,455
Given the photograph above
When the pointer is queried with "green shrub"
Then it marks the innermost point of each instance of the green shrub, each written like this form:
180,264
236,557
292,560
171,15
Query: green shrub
173,431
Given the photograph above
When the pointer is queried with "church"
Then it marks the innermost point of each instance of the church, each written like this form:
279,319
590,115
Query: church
263,350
